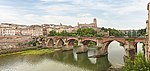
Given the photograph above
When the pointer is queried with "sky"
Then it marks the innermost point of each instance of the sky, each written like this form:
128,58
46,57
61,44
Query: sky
118,14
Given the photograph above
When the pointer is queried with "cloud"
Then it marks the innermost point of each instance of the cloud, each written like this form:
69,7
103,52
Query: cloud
89,5
115,14
54,0
85,15
11,15
59,9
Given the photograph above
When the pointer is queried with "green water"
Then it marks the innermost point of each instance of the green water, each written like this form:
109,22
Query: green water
58,61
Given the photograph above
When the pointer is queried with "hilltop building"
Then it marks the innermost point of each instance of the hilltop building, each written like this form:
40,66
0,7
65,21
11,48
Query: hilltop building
91,25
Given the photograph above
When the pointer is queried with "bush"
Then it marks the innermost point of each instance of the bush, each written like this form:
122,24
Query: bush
32,43
138,64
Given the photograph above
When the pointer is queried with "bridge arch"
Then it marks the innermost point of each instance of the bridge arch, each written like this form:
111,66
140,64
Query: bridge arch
60,42
71,42
87,41
107,43
43,40
115,53
120,41
50,42
139,47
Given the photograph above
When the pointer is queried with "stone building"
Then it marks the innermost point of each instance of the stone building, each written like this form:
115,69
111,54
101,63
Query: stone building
91,25
26,32
36,30
147,49
60,28
17,31
33,30
7,31
11,29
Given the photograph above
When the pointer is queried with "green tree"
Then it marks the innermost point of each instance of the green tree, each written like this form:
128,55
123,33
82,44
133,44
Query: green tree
91,44
104,29
141,32
86,32
33,42
129,34
114,32
99,35
134,33
64,33
53,33
138,64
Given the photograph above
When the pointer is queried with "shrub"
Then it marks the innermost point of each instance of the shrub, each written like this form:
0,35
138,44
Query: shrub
138,64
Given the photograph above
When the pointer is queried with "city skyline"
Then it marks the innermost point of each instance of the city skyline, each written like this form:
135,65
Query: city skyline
111,14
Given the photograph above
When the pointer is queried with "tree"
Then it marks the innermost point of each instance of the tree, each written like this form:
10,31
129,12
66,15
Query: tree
138,64
104,29
86,32
53,33
91,44
99,35
64,33
134,33
141,32
114,32
129,34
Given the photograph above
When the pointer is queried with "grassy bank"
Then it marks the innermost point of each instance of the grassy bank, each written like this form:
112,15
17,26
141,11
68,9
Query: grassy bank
35,52
31,52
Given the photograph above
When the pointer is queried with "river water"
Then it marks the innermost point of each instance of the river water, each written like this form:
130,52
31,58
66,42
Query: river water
64,61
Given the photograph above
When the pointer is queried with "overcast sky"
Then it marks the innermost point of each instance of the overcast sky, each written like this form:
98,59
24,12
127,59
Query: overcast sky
119,14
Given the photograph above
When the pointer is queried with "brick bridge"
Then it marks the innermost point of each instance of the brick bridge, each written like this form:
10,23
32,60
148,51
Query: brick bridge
101,42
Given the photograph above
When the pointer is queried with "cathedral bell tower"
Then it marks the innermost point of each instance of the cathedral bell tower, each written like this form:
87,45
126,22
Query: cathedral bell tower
95,22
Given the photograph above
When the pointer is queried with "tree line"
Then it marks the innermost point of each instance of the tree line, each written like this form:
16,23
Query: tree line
130,33
90,32
82,32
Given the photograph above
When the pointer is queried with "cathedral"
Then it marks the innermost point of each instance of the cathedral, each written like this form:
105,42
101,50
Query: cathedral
91,25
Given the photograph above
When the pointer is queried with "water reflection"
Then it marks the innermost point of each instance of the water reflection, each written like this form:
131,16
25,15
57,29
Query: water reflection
58,61
102,64
140,47
116,53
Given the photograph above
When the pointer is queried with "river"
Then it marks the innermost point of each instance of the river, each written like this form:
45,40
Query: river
64,61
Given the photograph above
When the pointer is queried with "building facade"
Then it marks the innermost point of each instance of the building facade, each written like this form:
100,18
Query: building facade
38,30
7,31
147,49
91,25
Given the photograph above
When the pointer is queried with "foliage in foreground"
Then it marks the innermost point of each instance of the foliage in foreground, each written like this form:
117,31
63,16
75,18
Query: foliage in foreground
138,64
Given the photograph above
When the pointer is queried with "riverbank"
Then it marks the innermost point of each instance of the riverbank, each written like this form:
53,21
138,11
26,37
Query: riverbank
26,51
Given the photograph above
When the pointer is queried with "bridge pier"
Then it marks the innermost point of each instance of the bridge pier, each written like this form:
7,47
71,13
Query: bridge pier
67,47
101,49
99,43
130,49
82,48
43,42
